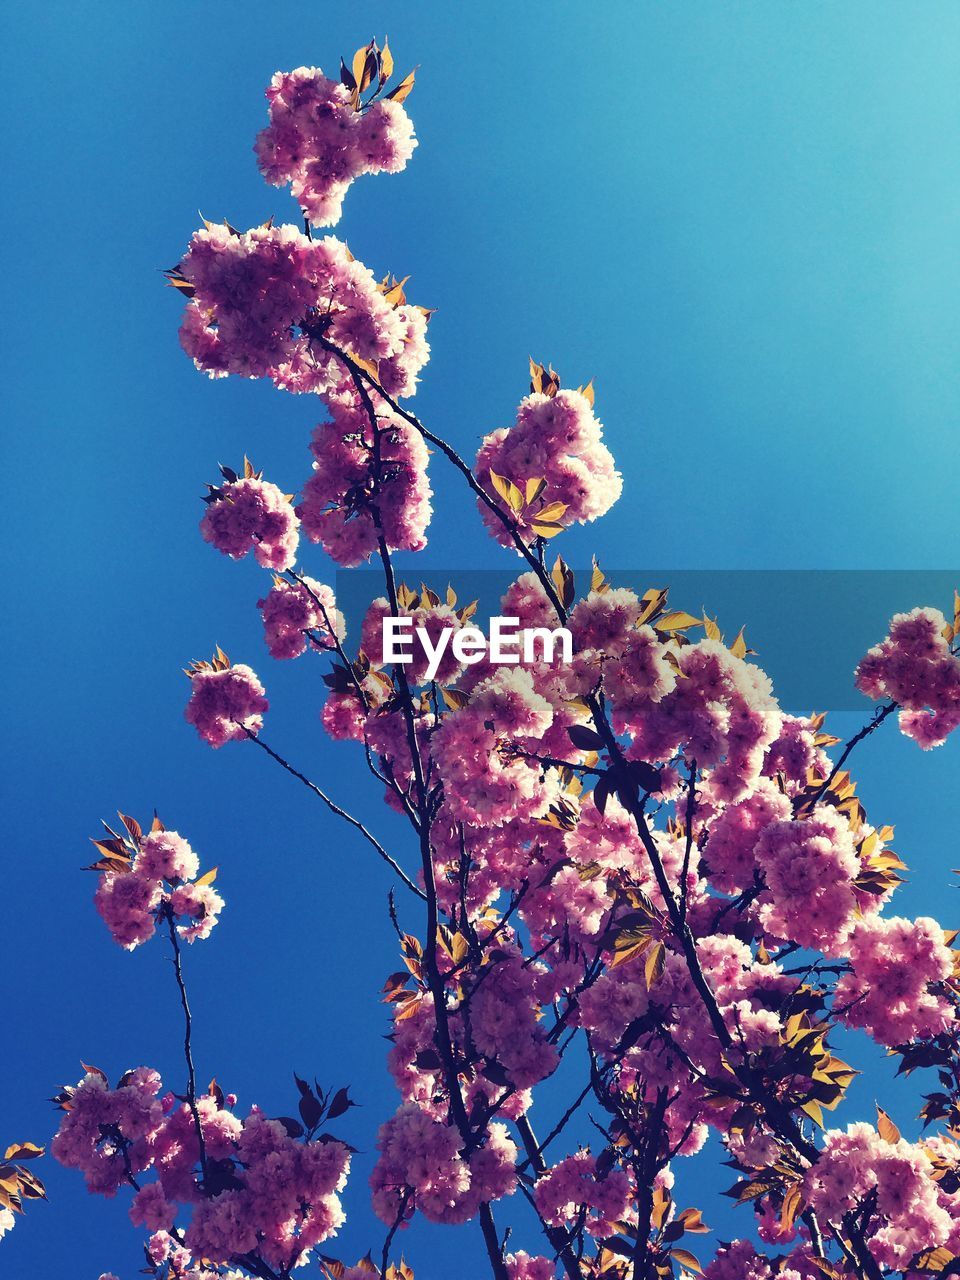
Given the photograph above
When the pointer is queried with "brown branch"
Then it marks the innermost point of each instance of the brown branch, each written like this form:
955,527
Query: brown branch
559,1240
335,808
558,1128
878,718
187,1042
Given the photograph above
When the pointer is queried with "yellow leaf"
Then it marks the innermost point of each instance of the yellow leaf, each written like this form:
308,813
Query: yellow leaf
543,530
661,1207
687,1260
692,1221
209,877
403,89
563,580
653,965
23,1151
935,1259
711,628
533,489
887,1130
677,621
812,1109
739,646
508,491
386,62
360,67
792,1204
552,511
588,393
630,943
652,602
544,381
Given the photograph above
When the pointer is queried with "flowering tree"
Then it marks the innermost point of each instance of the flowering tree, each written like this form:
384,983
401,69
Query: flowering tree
634,861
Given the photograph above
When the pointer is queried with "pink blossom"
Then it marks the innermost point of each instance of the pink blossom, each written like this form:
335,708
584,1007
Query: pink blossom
319,141
574,1185
810,866
363,479
165,855
557,439
225,703
915,668
895,964
294,612
252,514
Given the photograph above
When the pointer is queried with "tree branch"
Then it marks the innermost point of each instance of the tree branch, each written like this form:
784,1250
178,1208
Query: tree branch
335,808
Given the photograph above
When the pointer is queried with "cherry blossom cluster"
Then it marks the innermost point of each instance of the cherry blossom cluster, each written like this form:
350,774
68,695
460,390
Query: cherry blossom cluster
226,701
740,1261
810,867
149,878
368,481
557,440
298,612
916,668
894,990
250,514
320,138
253,1191
484,783
574,1186
893,1183
421,1167
270,302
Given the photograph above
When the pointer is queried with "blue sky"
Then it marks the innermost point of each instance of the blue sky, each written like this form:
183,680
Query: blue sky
739,219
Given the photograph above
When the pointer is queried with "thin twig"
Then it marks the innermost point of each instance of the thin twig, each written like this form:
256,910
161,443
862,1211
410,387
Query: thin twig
335,808
187,1043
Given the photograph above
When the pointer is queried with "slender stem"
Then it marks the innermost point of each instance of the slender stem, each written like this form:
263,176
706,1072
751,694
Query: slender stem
335,808
878,718
187,1042
688,848
558,1238
337,642
564,1120
550,762
385,1256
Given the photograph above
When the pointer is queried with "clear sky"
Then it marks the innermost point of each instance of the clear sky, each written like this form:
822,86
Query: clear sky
741,219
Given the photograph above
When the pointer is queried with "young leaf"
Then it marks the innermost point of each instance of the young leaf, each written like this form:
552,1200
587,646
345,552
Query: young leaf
386,62
403,89
341,1102
23,1151
678,621
686,1260
885,1126
653,965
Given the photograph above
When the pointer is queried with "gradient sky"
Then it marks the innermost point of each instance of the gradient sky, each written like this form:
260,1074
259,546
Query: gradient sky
740,219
